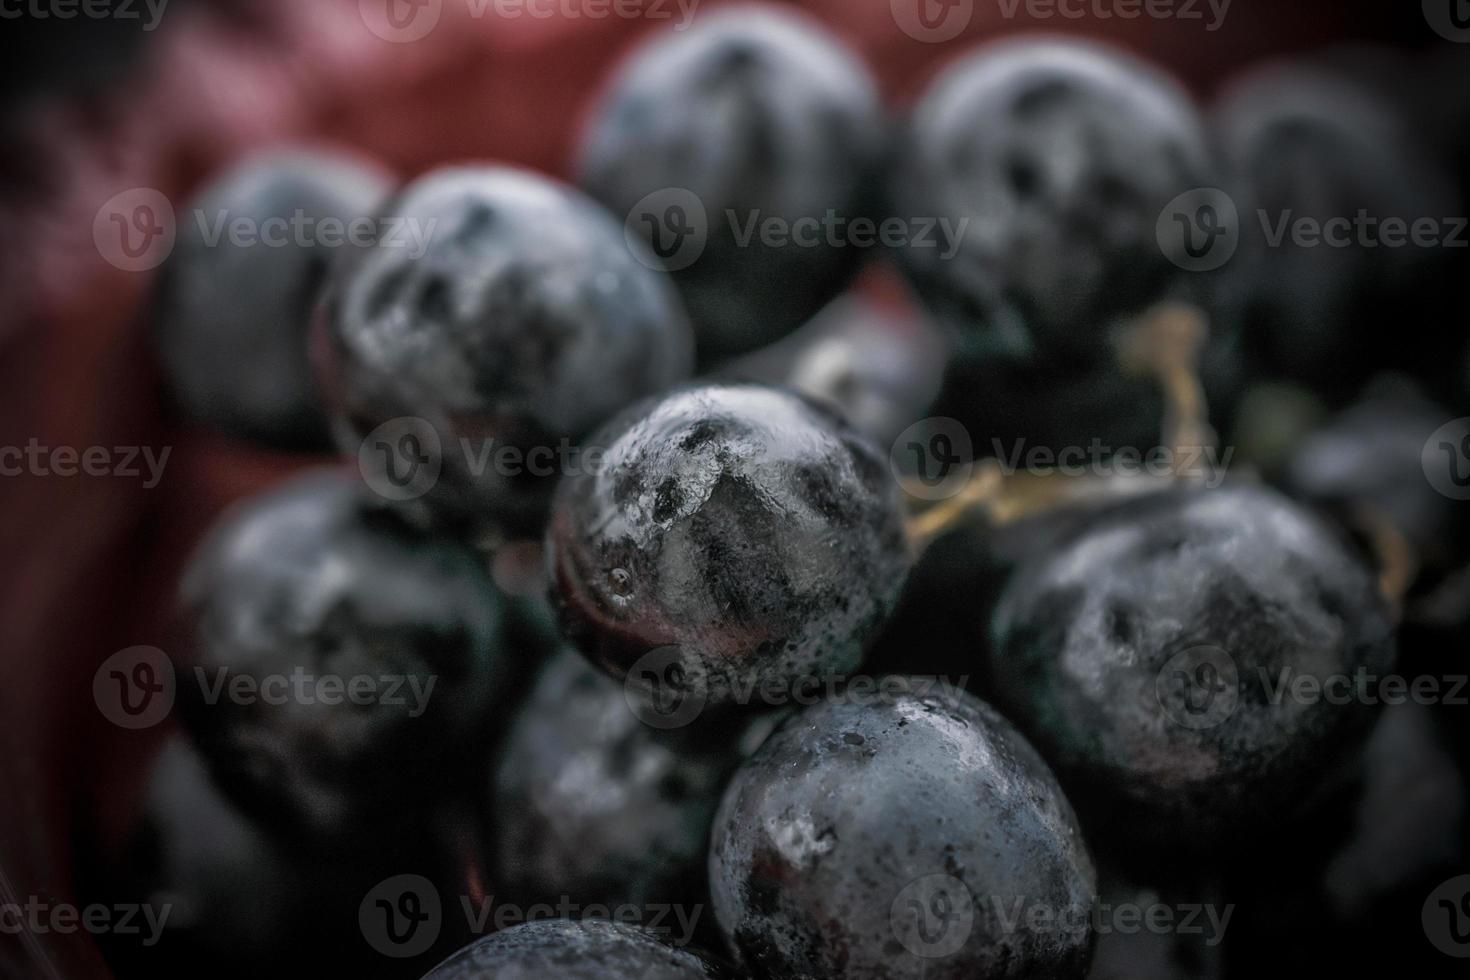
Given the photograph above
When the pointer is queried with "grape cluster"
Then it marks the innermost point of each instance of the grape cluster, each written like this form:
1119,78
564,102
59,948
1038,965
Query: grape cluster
716,658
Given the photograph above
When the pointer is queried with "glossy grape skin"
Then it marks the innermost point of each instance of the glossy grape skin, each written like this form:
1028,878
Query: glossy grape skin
321,577
233,315
761,114
744,532
591,801
526,322
825,830
591,949
1087,633
1062,154
1304,145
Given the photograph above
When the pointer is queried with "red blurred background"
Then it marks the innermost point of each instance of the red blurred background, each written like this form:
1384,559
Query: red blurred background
90,563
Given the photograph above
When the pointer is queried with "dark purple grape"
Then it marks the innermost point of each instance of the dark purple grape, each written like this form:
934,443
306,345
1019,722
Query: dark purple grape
317,580
1304,148
216,891
893,840
1156,657
753,114
591,801
1367,463
233,312
1353,901
526,322
1058,158
735,536
592,949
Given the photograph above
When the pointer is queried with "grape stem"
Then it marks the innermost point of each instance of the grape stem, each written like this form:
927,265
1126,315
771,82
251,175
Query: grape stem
1166,343
1398,566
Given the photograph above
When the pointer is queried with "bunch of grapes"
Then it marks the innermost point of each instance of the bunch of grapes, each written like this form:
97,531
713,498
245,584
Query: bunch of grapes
760,635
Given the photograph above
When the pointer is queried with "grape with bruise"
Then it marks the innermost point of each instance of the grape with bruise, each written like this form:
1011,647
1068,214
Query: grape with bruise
734,537
762,116
525,322
1057,157
1146,655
